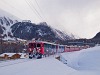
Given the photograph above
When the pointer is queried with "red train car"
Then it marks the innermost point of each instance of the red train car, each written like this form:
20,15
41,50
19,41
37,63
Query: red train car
40,48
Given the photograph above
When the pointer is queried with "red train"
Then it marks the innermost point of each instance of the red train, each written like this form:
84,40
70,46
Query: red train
38,49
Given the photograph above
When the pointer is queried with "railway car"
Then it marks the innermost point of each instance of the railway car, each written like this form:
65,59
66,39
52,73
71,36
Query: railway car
72,48
39,49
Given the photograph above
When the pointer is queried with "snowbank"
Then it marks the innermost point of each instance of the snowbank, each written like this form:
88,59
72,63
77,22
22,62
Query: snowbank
23,55
9,54
86,59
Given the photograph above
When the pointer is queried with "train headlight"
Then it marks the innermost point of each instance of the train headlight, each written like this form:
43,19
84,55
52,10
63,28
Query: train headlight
30,49
39,49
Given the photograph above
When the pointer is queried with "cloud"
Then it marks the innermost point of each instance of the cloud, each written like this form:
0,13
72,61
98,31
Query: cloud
77,16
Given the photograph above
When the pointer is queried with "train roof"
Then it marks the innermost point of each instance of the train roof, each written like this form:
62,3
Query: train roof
46,42
42,42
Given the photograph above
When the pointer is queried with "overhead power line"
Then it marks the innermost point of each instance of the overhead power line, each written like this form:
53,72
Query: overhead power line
40,9
34,9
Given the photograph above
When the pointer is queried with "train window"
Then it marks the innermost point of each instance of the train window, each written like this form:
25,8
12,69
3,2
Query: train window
38,45
46,45
31,45
34,45
53,46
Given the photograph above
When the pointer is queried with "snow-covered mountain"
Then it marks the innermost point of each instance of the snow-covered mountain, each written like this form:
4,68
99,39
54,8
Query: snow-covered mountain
28,31
6,21
63,35
11,26
96,38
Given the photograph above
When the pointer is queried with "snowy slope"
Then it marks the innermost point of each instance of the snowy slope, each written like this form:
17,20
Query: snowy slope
62,35
6,21
86,61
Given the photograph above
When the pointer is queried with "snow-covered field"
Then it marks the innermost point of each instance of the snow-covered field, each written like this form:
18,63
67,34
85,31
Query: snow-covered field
84,62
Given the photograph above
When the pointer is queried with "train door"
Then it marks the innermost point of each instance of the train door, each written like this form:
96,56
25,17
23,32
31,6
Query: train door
31,49
39,50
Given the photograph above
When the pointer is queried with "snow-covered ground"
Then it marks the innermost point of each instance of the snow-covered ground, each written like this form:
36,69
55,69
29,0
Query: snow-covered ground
45,66
84,62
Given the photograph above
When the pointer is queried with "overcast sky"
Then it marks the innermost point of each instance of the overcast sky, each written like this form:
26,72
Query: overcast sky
80,17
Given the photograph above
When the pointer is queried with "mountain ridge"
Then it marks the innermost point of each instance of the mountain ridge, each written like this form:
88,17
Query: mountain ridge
12,27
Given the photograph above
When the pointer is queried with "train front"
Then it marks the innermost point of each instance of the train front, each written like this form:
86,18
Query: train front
35,50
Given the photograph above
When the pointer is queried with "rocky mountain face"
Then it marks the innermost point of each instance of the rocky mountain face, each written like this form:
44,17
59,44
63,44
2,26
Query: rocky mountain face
6,21
5,24
42,31
97,36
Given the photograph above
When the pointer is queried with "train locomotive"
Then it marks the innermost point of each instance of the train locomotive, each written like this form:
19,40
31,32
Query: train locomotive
40,49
